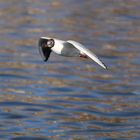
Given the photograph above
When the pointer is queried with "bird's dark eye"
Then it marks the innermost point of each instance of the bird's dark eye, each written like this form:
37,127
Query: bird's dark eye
50,43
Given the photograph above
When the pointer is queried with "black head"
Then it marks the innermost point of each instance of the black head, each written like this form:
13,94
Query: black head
45,46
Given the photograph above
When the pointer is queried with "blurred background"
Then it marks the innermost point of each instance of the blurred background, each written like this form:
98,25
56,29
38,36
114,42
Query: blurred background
70,98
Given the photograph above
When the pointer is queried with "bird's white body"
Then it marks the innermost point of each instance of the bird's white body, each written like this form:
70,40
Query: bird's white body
72,48
58,45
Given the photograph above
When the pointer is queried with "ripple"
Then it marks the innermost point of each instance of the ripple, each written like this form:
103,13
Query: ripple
29,138
69,98
13,76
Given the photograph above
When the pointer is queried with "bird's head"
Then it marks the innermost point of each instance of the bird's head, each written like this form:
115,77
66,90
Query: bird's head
45,46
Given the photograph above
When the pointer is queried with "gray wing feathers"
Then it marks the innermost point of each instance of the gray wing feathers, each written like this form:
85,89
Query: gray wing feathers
87,52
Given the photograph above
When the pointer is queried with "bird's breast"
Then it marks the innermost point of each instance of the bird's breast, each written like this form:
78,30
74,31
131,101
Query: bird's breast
58,47
64,48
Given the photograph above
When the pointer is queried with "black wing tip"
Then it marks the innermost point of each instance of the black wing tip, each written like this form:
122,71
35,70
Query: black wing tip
105,66
44,51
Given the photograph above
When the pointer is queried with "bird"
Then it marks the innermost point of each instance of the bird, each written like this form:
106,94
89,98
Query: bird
67,48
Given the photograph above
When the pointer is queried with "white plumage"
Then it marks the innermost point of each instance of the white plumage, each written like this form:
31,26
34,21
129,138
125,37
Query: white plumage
68,48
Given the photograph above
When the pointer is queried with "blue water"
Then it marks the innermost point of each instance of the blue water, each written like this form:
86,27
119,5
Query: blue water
70,98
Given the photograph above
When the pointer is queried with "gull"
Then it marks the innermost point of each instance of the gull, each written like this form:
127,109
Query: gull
68,48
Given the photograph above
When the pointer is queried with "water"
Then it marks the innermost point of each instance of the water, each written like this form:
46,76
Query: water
70,99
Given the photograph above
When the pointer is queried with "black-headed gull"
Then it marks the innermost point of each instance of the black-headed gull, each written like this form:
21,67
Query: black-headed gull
68,48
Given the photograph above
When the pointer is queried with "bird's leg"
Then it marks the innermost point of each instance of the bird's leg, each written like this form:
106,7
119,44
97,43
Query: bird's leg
83,55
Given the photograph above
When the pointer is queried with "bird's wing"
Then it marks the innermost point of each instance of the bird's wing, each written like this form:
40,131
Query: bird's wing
44,51
86,51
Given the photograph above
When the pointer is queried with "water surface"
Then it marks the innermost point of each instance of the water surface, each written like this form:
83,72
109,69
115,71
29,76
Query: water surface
70,98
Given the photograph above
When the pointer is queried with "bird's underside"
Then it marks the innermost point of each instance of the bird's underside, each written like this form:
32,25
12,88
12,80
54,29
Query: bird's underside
68,48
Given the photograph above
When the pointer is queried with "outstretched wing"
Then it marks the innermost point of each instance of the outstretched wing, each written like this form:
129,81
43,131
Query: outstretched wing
86,51
44,51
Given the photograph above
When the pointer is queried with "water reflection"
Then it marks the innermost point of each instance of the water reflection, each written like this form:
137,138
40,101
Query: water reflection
69,98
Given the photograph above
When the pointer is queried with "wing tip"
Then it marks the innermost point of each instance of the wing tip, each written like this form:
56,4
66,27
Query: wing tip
104,66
